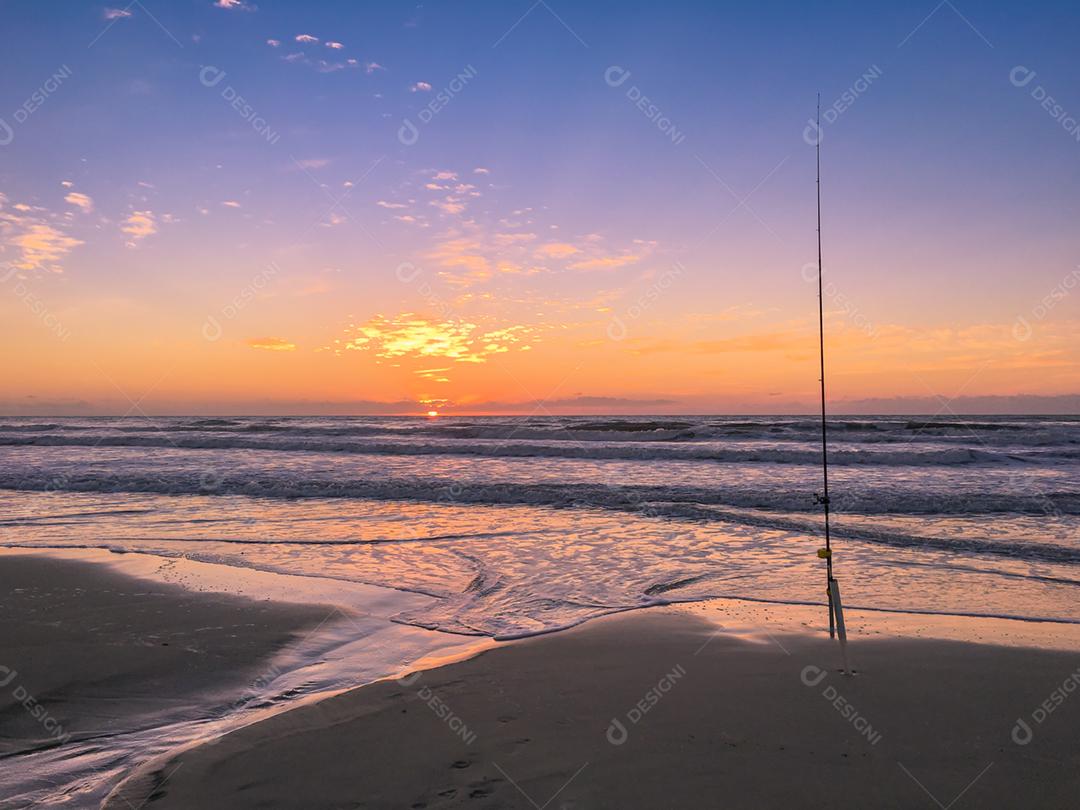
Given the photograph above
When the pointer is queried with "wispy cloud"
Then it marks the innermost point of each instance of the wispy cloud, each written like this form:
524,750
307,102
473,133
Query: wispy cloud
29,242
606,262
557,250
271,344
80,200
337,46
305,38
412,336
234,5
421,87
138,226
116,13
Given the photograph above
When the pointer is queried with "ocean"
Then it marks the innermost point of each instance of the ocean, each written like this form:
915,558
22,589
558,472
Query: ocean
523,525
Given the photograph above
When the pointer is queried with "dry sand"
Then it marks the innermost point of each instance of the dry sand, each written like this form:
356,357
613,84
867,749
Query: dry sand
89,652
661,709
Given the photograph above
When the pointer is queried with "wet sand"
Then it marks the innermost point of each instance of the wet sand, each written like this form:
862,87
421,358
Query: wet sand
88,652
664,708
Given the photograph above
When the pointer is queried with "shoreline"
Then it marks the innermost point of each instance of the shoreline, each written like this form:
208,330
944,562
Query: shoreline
127,657
666,707
747,624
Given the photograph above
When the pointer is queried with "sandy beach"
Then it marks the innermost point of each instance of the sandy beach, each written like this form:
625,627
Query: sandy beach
89,652
721,705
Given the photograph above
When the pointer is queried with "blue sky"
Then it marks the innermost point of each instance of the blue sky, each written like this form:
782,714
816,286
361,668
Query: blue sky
951,195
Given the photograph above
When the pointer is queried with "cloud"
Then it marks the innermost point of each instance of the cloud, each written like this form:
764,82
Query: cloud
35,243
557,250
80,200
305,38
605,262
313,163
234,5
274,43
138,226
371,67
271,344
505,239
481,170
421,87
116,13
464,259
445,175
337,46
607,405
231,204
989,404
449,205
406,218
385,204
412,336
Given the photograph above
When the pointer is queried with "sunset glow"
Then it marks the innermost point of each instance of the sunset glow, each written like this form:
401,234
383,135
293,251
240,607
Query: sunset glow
542,243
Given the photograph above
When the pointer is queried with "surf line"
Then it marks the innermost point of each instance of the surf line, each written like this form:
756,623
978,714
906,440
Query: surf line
837,628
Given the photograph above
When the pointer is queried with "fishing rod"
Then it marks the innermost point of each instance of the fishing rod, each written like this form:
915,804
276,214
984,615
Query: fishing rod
832,587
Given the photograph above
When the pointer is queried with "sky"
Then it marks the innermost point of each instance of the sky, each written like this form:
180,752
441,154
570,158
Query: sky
222,206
